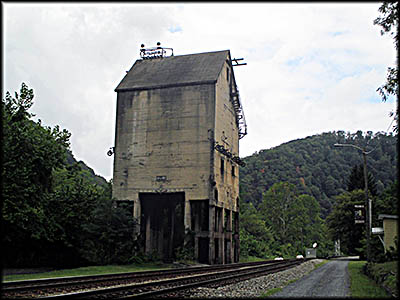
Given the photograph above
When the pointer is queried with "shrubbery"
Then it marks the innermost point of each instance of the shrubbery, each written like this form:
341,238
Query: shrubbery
54,212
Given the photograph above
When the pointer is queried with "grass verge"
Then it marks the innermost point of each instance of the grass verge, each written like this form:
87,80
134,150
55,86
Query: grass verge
360,285
91,270
271,292
243,259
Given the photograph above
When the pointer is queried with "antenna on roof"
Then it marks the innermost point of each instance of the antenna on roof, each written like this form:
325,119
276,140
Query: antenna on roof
235,60
155,52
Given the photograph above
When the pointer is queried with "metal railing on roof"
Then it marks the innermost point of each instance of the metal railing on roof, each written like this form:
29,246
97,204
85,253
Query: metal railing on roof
155,52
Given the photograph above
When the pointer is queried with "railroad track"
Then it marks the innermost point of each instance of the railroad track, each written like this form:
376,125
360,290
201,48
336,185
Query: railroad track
141,284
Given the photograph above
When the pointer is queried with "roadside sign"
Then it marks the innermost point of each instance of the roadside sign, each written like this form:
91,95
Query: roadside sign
359,214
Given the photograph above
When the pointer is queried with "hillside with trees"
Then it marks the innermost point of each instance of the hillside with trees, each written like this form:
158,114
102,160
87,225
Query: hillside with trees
57,212
317,168
91,175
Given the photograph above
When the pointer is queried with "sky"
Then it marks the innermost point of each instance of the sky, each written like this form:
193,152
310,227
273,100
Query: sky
311,67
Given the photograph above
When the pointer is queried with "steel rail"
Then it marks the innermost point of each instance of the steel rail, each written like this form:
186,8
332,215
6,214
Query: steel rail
181,283
228,278
15,286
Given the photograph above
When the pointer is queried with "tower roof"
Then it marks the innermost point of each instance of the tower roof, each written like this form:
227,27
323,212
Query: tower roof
174,71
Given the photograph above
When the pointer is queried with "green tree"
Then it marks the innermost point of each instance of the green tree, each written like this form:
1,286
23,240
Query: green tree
325,170
386,202
278,202
356,180
109,236
255,237
311,226
31,153
73,197
341,223
56,211
294,219
389,22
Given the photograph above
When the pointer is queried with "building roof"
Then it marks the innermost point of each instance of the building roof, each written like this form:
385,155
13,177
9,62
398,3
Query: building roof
174,70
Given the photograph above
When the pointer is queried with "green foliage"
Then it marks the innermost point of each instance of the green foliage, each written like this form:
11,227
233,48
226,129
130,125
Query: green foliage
31,153
316,167
183,253
255,237
360,285
89,173
108,237
294,219
389,21
312,169
284,224
385,203
88,270
279,210
353,236
341,222
357,182
56,211
384,274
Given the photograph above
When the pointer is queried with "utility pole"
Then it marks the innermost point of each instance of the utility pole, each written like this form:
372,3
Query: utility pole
368,202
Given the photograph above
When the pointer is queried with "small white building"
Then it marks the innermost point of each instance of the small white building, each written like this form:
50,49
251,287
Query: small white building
311,253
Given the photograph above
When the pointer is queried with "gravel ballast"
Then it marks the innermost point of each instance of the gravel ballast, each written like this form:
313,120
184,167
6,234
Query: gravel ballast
257,286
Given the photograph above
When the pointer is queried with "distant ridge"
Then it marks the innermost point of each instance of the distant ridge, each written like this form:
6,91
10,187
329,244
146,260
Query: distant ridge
93,176
318,168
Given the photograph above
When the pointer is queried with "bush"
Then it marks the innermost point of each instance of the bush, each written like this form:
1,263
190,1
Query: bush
184,253
140,257
384,274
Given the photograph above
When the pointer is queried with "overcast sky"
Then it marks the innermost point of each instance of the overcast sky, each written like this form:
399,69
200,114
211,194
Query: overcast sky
311,67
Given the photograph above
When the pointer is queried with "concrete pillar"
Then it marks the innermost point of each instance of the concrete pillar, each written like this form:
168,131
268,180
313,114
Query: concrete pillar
197,219
159,240
222,235
187,219
228,237
148,235
171,239
196,247
229,220
211,217
137,213
236,236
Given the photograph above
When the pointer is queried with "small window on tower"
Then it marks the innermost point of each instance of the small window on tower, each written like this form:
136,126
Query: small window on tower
233,171
227,74
222,167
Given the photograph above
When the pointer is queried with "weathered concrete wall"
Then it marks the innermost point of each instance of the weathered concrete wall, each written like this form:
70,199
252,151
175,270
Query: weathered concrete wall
390,229
224,243
226,134
165,144
162,141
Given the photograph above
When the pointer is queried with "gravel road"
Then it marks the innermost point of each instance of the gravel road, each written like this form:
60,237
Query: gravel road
330,280
256,287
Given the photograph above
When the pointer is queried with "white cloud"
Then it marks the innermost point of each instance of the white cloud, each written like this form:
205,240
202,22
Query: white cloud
311,67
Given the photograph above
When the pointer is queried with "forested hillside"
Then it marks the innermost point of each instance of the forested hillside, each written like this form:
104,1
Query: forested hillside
56,211
318,168
91,175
